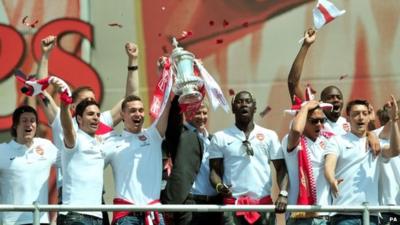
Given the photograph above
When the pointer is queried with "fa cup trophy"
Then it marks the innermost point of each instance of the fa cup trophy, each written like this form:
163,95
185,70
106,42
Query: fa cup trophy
187,84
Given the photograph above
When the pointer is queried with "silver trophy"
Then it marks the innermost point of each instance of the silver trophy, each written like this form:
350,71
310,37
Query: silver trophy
186,83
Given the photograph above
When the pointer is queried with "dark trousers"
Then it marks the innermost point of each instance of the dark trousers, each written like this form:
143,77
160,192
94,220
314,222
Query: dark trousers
199,218
230,218
208,218
341,219
73,218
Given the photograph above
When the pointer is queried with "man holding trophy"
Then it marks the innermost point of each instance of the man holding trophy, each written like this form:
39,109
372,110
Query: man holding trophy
183,144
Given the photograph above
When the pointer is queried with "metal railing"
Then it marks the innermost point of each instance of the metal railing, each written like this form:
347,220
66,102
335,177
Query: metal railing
36,209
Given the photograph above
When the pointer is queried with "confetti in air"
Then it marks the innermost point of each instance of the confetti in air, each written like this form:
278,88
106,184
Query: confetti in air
231,92
265,111
220,41
115,25
29,23
185,34
343,76
225,23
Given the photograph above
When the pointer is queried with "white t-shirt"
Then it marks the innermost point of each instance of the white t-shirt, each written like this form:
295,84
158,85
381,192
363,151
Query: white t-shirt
340,127
389,187
248,175
136,160
82,168
24,176
358,168
202,184
316,150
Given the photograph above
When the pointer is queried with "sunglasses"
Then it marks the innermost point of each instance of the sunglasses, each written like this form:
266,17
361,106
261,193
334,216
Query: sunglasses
315,121
249,149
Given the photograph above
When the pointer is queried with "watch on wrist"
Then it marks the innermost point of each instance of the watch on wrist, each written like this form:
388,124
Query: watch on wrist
283,193
132,68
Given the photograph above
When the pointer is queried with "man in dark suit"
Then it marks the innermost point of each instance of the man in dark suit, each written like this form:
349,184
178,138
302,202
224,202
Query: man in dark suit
186,150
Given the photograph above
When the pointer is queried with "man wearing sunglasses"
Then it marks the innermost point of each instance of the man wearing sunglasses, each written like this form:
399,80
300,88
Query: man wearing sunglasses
239,164
303,149
351,169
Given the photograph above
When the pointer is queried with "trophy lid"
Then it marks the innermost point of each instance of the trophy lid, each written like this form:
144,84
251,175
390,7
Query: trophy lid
179,51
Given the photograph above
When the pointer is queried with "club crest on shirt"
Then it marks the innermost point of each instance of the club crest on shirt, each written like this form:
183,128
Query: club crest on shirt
322,144
260,136
142,138
39,150
346,127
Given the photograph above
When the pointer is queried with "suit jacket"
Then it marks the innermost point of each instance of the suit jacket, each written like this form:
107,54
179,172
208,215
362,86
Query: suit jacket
186,151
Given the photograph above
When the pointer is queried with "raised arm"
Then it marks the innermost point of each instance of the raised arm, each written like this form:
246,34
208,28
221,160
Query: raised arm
162,122
132,80
66,119
299,122
394,149
297,67
49,106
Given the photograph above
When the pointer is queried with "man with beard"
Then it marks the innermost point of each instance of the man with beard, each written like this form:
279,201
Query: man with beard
304,145
239,163
335,122
82,151
350,167
136,160
25,164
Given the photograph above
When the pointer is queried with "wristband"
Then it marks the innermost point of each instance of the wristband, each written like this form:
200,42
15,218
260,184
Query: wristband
217,186
132,68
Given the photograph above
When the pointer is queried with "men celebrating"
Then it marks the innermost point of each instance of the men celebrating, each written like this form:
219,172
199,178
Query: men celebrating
350,167
239,163
136,160
303,149
25,164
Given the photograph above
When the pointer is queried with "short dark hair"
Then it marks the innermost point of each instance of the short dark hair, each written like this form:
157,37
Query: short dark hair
79,90
243,92
383,115
356,102
80,108
325,91
17,115
129,98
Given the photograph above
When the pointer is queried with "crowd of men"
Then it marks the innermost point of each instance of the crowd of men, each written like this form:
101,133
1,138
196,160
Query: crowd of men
325,159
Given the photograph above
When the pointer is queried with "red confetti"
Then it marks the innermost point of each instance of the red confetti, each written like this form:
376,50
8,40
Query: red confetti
225,23
343,76
231,92
313,91
164,49
211,23
115,25
265,111
159,34
220,41
185,34
245,24
28,23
